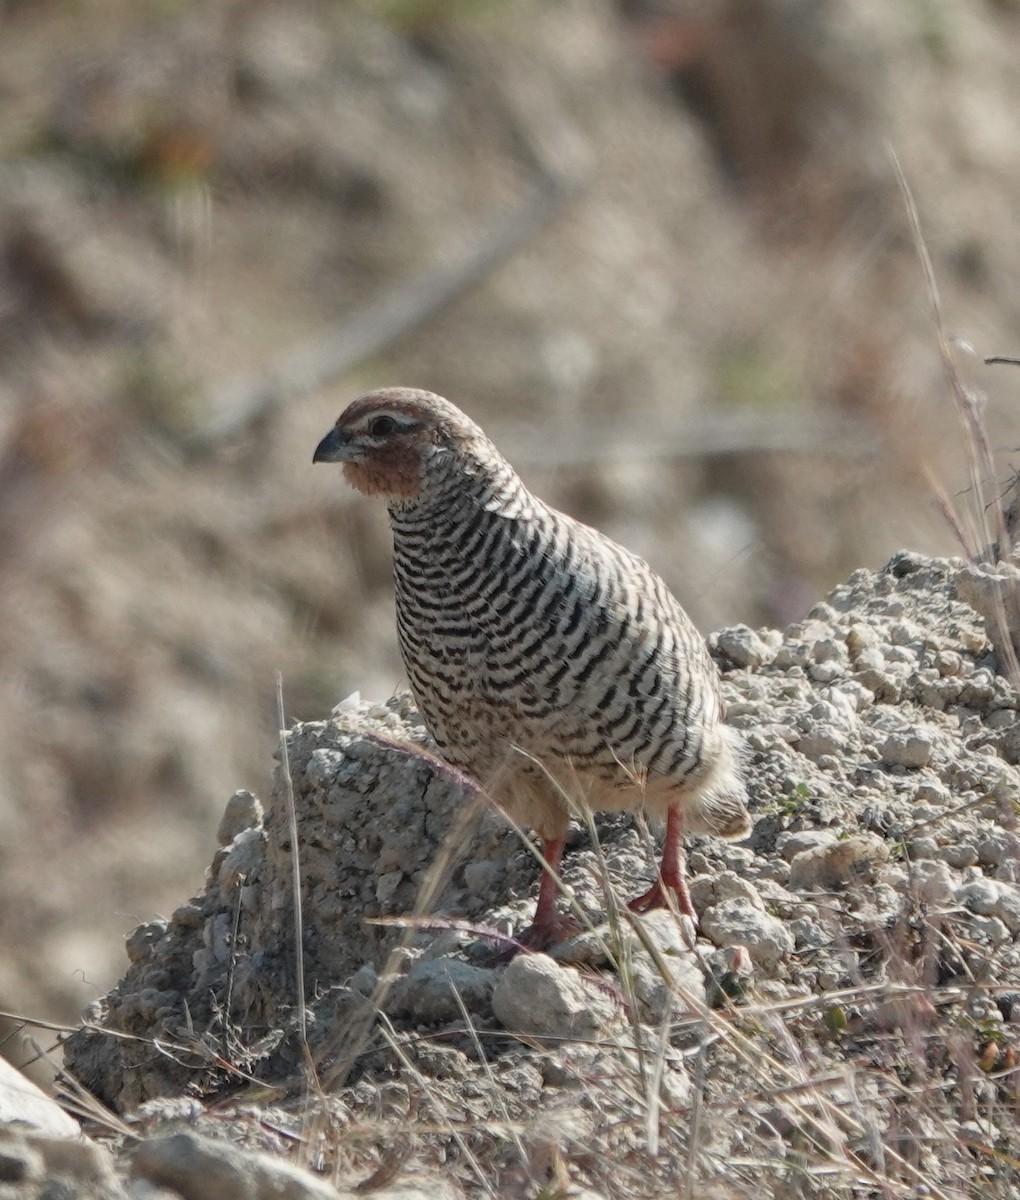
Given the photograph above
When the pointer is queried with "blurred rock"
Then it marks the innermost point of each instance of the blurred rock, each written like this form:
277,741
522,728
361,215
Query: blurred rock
670,980
199,1168
535,995
732,924
243,811
36,1166
435,989
839,863
743,646
24,1106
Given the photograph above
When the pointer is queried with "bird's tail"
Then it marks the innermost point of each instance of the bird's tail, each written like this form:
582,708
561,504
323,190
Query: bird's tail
720,805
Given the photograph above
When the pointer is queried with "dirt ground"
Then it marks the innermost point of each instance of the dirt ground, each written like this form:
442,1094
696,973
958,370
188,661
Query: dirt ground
845,1024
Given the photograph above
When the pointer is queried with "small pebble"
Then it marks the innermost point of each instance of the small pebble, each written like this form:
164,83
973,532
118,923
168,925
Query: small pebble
765,938
832,865
790,845
908,749
822,740
744,647
958,856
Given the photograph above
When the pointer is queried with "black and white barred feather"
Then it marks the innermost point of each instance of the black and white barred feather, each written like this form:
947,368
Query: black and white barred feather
550,663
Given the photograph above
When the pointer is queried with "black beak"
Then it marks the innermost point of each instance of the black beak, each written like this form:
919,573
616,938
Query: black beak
334,447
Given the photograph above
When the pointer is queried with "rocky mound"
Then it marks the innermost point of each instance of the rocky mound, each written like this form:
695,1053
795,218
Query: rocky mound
844,1019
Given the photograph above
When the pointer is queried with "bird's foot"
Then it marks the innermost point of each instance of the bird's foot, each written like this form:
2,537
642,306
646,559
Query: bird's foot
542,934
656,897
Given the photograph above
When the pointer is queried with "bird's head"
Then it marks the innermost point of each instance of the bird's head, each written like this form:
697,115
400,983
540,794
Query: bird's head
390,440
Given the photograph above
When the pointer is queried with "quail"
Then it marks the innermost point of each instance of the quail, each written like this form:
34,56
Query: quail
550,664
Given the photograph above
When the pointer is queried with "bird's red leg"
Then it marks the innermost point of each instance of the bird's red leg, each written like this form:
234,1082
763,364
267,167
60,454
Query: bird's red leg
549,925
671,873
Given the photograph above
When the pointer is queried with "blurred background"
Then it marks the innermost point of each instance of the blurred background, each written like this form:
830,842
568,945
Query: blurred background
658,249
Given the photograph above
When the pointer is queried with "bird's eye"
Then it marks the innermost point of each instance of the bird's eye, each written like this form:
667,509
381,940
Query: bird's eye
382,426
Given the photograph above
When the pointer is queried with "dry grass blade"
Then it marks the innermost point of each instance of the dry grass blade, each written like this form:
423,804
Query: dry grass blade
819,1116
295,864
487,1067
356,1037
35,1022
392,1040
695,1123
969,405
983,543
76,1100
486,933
653,1107
81,1104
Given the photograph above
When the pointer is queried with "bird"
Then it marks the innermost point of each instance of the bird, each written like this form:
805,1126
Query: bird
550,665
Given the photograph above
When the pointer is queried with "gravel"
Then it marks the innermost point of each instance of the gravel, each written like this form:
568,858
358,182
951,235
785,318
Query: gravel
876,905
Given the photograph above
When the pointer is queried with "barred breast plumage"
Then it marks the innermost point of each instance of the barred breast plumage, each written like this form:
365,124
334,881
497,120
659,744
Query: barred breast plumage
549,663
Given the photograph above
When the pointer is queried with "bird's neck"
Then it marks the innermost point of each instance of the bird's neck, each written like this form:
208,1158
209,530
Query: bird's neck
455,488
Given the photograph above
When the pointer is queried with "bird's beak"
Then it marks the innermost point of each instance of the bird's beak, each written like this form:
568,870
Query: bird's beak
335,447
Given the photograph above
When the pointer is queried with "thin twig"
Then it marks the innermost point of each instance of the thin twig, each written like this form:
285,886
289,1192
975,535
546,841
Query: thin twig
412,301
394,315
